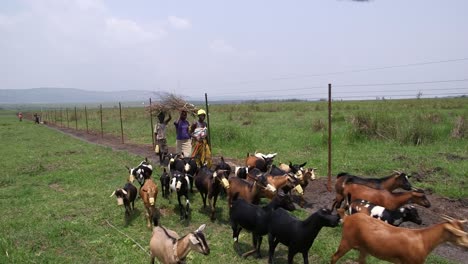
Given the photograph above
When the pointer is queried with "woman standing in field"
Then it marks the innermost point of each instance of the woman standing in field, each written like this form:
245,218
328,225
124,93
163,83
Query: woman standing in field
183,142
160,135
201,151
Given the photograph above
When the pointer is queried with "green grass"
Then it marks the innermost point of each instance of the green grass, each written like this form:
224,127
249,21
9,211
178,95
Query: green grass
369,137
55,189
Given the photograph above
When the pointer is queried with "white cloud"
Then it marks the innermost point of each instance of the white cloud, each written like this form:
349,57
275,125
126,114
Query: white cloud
179,23
127,31
220,46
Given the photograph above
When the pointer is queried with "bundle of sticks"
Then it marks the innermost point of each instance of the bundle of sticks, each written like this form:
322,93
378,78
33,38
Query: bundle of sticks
170,102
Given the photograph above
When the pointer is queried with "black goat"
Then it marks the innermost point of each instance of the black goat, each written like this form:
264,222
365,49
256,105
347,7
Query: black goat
126,196
395,218
165,181
254,218
222,165
209,184
297,235
180,184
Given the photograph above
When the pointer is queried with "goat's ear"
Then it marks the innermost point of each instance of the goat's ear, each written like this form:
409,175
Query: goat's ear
146,159
112,194
124,191
194,240
303,164
201,228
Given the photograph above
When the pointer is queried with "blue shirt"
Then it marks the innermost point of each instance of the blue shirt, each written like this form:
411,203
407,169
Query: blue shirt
182,128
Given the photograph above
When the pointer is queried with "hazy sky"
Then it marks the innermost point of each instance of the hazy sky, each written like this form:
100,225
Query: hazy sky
255,49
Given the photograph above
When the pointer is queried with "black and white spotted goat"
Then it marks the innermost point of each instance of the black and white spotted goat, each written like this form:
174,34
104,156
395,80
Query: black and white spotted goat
142,172
395,218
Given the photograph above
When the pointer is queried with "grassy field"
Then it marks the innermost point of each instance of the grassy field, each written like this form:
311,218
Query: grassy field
369,138
55,189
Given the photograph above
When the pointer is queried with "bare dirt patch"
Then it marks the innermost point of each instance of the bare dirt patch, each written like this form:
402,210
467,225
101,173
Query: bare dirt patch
316,193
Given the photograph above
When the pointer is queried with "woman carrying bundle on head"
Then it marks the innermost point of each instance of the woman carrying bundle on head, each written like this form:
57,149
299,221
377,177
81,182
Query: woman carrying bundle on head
183,142
201,152
160,135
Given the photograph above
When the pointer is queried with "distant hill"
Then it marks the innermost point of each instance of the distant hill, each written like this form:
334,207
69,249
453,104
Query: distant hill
70,95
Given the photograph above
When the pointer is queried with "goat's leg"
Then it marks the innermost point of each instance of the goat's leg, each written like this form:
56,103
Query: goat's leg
340,252
211,201
187,206
305,256
362,257
181,207
272,243
259,243
148,221
254,243
203,196
236,229
291,258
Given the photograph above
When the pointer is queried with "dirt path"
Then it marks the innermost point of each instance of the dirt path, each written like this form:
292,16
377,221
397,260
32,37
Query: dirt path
316,193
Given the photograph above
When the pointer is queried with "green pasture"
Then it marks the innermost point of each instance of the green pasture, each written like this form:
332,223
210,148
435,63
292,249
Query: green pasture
55,189
425,137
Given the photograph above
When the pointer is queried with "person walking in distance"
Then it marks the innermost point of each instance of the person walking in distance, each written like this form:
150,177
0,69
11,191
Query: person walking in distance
161,148
183,141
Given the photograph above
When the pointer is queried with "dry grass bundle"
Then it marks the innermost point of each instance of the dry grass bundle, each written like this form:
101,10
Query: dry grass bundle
171,102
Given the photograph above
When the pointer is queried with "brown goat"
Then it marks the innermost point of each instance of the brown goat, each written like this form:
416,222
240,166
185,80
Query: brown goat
384,198
209,183
389,183
148,194
259,161
249,191
371,236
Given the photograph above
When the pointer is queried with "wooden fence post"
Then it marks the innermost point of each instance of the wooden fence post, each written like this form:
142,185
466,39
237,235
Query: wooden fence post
121,124
76,120
329,138
86,118
151,120
208,121
100,111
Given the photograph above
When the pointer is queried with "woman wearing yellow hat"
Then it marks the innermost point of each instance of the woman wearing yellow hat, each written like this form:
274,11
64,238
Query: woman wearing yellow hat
201,151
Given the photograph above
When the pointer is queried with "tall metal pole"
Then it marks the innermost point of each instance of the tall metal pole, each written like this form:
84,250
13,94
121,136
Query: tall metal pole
121,124
329,138
100,111
208,120
86,118
151,120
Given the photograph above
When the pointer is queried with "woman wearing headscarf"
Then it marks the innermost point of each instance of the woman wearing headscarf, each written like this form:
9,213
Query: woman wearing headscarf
201,151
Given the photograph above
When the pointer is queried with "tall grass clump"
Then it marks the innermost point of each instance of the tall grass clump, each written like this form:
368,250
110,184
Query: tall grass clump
460,127
366,125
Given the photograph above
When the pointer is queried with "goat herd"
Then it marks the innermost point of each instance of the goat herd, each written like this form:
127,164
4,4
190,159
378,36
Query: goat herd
370,215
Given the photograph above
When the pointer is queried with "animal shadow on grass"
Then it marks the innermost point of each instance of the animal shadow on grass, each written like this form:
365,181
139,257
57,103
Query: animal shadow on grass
128,220
242,247
218,214
176,211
